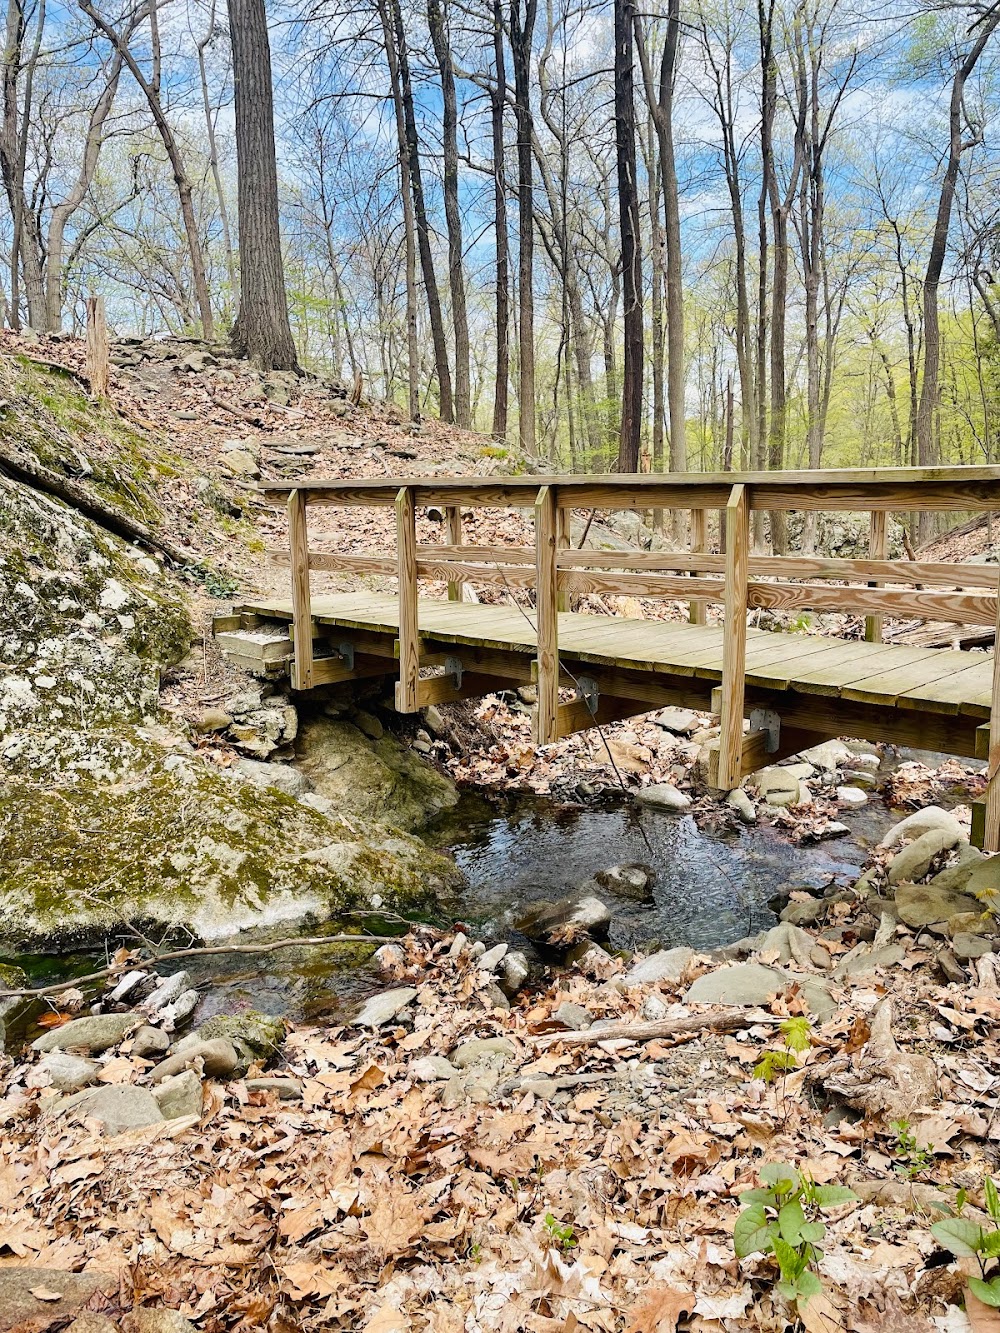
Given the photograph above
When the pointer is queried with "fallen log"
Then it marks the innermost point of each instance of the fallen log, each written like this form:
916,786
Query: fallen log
730,1021
30,473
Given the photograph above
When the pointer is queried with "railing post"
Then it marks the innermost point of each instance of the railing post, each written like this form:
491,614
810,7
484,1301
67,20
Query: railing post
302,626
734,641
453,530
406,568
991,831
546,603
698,611
878,549
98,350
564,541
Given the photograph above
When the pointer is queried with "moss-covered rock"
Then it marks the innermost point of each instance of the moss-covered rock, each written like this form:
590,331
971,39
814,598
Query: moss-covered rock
256,1036
373,777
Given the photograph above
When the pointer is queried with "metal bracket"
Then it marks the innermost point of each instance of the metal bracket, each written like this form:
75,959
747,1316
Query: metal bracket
766,719
587,689
453,667
346,651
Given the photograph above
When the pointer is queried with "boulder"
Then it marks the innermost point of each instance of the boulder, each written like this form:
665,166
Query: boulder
924,905
470,1053
739,801
212,719
62,1071
914,860
632,879
219,1059
255,1035
680,721
94,1034
240,463
828,755
572,1016
960,872
777,786
565,922
789,942
179,1095
754,984
965,945
380,1009
667,965
805,913
149,1042
663,796
23,1312
932,818
117,1107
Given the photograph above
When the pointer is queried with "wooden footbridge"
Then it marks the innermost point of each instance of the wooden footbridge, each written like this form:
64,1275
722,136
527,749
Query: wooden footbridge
774,693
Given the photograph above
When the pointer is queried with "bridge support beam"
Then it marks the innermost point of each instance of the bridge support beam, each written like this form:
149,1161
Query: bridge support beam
734,644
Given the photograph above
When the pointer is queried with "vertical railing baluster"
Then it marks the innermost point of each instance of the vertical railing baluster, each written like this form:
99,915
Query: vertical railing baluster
697,611
407,688
564,540
878,549
453,531
302,624
734,640
991,832
547,622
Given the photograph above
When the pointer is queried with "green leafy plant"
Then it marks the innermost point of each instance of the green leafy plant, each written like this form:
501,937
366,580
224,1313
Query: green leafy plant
782,1218
214,581
911,1160
560,1232
964,1238
796,1033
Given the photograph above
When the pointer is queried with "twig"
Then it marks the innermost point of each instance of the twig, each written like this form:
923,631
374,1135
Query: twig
316,941
731,1021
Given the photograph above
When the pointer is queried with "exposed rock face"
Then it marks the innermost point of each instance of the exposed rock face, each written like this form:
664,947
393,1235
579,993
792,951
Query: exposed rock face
371,776
19,1309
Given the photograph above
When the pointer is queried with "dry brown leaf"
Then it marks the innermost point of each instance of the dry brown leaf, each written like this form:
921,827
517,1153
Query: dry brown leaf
660,1310
45,1294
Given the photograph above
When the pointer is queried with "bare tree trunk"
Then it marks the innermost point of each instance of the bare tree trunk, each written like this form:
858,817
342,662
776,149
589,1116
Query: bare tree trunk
172,148
628,210
522,27
213,152
26,243
437,22
498,101
928,451
441,366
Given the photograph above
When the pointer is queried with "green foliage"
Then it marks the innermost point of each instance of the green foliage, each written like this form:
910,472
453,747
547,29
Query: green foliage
783,1218
796,1032
911,1160
966,1239
561,1233
214,581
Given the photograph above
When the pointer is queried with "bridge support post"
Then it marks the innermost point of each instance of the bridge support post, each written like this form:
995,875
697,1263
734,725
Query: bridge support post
734,643
408,685
546,613
302,623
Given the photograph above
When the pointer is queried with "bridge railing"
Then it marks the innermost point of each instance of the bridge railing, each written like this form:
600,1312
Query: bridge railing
737,579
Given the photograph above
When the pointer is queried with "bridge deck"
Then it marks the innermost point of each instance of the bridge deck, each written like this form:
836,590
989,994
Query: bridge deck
929,680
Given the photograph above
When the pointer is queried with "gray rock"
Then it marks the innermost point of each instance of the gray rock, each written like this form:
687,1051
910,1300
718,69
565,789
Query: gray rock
960,872
118,1107
802,772
791,943
457,945
862,779
62,1071
565,921
966,946
288,1089
433,721
985,879
654,1009
379,1009
213,719
169,989
219,1059
156,1321
514,971
483,1048
739,801
129,982
92,1323
281,776
240,464
487,961
680,721
931,819
863,960
777,786
914,860
667,965
828,755
663,796
21,1312
369,725
805,913
865,759
923,905
179,1095
178,1011
632,879
493,996
851,796
149,1042
951,968
572,1016
432,1069
753,984
94,1034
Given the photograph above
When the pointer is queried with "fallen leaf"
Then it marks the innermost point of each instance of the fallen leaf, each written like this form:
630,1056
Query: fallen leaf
45,1294
660,1311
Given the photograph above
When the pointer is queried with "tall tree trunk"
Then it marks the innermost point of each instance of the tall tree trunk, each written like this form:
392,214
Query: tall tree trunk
628,212
213,151
522,26
437,22
927,445
26,244
441,366
498,101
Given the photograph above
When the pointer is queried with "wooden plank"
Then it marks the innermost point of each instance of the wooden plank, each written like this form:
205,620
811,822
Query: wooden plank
753,755
298,543
735,637
938,684
409,634
493,555
965,608
878,549
443,690
642,585
699,545
333,670
453,527
547,611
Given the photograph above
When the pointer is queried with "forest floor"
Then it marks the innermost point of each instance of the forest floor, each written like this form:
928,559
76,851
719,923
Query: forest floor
565,1176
